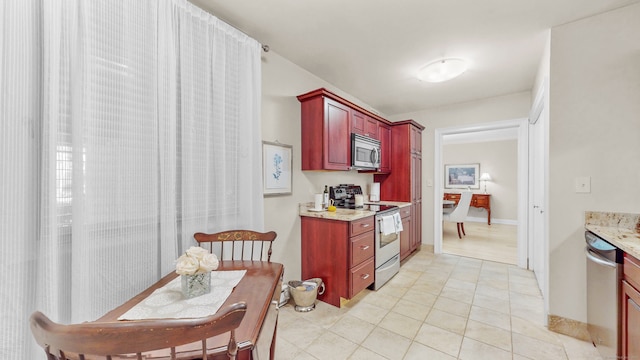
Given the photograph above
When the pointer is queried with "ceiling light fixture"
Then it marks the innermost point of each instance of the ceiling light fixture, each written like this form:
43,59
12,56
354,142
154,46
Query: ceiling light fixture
442,70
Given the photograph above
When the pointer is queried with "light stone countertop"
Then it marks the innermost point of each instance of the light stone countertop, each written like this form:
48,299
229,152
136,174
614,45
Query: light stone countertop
345,214
620,229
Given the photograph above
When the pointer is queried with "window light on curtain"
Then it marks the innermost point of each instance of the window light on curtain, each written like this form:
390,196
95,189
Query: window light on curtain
126,127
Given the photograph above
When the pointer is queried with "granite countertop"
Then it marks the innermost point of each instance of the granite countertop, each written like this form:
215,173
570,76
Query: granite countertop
344,214
620,229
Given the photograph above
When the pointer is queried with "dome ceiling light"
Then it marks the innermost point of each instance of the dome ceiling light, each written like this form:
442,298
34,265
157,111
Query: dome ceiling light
442,70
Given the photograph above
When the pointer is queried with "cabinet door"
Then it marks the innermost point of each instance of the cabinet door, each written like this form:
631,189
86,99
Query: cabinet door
357,122
406,237
371,128
337,142
416,177
416,217
416,140
630,322
384,134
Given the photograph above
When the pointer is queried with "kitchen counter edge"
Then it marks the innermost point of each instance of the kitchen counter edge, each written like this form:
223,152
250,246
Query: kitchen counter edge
622,230
345,214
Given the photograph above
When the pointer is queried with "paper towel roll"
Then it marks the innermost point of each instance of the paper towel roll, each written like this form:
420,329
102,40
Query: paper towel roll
374,191
318,201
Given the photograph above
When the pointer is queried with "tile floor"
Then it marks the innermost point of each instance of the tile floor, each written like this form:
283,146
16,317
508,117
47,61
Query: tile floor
437,307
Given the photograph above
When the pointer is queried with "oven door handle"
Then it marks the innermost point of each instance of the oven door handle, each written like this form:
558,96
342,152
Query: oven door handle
397,257
598,260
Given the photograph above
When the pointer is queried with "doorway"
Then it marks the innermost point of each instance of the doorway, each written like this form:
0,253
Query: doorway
520,128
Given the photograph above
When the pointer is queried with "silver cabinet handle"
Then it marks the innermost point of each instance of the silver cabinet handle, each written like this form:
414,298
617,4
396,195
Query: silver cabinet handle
364,247
364,225
365,276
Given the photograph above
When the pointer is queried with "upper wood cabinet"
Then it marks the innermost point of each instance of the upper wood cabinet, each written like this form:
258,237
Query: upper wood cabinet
384,135
326,140
327,123
365,125
404,181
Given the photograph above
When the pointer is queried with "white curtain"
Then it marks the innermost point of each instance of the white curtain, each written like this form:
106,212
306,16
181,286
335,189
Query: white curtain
126,127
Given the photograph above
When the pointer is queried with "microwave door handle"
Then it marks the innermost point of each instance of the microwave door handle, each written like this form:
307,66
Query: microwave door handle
374,156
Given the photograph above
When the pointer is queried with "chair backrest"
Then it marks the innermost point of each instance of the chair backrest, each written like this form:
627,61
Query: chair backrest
110,339
459,214
240,244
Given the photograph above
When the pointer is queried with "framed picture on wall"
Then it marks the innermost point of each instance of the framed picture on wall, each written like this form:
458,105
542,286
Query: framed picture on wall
462,176
276,164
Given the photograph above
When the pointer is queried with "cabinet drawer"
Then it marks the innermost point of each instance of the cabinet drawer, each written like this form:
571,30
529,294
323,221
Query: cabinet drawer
361,248
453,197
481,201
405,211
360,226
361,277
631,269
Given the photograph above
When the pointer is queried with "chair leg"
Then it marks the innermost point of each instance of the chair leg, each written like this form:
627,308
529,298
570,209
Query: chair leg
459,236
462,226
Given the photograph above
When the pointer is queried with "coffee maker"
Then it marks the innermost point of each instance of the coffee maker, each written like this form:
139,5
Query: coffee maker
344,196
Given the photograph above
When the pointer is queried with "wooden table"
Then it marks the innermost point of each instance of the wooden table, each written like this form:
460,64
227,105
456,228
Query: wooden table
477,200
256,336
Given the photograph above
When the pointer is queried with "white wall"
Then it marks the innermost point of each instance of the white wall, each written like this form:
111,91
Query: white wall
500,160
594,131
282,81
508,107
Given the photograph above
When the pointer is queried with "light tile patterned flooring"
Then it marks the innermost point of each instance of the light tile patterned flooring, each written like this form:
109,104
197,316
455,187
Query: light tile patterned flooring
437,307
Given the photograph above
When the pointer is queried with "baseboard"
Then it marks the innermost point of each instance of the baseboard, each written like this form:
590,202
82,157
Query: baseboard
569,327
493,221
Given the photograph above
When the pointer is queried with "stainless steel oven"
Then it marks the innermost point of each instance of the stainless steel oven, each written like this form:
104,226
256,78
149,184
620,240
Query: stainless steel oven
388,225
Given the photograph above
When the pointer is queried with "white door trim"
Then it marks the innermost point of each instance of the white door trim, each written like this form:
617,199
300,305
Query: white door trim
522,126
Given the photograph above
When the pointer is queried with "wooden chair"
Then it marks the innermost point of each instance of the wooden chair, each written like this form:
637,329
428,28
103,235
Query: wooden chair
123,338
249,244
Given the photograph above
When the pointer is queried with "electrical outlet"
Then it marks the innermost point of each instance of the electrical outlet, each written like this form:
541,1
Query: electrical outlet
429,183
583,184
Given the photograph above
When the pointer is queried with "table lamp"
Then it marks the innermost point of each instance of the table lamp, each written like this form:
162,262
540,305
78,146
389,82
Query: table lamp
485,177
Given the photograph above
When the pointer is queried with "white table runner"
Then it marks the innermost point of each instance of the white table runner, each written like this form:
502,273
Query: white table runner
168,302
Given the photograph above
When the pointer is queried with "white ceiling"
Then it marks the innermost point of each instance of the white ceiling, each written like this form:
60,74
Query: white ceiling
371,49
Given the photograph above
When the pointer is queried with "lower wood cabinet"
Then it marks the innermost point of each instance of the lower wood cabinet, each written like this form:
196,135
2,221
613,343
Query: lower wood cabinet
406,236
630,308
341,253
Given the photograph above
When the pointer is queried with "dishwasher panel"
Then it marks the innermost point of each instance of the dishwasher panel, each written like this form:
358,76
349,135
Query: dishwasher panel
604,271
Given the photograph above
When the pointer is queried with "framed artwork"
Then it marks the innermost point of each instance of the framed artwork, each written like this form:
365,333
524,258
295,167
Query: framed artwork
276,165
462,176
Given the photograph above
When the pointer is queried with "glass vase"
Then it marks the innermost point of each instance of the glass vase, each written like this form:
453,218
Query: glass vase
196,285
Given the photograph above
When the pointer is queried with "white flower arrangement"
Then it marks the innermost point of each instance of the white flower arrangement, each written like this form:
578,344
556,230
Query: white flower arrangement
196,260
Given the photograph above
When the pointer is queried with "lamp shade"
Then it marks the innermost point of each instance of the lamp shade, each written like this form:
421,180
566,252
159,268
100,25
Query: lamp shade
442,70
485,177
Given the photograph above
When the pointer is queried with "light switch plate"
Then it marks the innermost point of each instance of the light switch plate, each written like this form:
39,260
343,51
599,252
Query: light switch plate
583,184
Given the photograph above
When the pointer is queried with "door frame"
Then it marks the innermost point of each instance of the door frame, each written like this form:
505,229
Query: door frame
540,112
522,126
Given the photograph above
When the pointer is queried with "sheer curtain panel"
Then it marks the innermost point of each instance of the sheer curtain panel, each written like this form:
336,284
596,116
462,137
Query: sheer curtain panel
126,127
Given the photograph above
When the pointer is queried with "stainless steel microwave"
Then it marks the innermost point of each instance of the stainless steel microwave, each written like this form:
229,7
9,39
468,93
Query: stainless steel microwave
365,152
